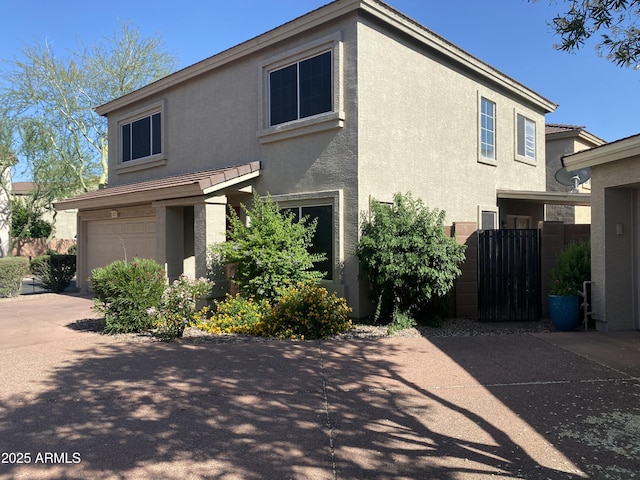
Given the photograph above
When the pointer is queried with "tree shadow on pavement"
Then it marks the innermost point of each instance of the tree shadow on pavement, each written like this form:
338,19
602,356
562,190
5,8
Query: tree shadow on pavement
304,410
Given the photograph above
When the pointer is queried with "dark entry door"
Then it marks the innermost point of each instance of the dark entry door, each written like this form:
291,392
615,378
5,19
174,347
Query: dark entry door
509,275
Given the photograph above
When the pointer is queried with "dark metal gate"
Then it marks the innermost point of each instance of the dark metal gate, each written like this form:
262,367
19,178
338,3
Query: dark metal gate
509,275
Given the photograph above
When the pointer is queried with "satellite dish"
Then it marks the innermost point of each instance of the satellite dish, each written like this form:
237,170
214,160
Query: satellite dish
573,178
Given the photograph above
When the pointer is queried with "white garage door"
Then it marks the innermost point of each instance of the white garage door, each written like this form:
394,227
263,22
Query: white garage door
110,240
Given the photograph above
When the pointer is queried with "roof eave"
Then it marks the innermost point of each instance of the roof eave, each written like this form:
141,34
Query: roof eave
318,17
607,153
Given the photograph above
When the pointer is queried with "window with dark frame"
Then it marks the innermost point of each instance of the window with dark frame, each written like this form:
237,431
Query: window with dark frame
322,241
301,90
142,138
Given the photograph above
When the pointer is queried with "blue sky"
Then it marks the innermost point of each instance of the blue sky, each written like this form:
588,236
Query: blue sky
511,35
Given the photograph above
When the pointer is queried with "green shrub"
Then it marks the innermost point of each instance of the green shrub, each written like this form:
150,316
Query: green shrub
177,307
307,311
407,257
12,270
572,268
236,314
73,249
271,253
125,291
56,271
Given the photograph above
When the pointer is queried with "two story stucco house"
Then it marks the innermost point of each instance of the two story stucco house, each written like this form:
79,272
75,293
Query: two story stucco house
350,102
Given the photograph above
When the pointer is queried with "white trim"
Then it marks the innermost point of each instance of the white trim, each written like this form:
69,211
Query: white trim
523,158
490,209
481,158
610,152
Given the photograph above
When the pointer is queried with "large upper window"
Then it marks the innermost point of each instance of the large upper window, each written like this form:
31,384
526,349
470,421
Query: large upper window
301,90
322,241
487,129
141,138
526,141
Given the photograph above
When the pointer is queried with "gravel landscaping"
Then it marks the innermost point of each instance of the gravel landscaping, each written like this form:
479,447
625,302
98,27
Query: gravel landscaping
450,328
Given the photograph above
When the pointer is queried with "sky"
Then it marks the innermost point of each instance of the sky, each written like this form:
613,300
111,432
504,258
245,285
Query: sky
513,36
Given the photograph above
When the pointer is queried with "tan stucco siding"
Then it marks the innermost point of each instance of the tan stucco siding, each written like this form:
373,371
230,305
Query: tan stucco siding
418,130
614,201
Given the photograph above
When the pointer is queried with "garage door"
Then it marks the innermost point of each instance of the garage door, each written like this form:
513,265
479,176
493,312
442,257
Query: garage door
110,240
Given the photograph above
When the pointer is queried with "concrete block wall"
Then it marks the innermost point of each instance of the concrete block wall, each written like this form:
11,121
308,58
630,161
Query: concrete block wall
466,289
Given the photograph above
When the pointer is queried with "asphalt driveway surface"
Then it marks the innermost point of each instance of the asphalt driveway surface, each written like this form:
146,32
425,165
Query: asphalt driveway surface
78,405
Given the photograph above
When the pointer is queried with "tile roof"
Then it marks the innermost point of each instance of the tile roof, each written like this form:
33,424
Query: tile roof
186,185
558,128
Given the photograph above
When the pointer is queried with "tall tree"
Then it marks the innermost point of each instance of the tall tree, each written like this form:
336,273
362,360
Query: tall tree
56,133
615,20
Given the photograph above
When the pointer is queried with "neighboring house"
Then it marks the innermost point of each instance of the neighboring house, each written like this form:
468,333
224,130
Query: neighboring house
349,102
615,231
563,140
64,222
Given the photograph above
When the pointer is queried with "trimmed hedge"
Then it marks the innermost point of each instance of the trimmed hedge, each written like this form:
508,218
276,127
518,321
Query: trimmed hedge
12,270
56,271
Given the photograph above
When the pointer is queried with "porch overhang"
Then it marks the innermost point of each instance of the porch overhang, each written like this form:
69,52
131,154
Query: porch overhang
546,198
198,184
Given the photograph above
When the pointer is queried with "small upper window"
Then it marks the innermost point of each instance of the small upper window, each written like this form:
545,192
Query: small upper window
141,138
301,90
526,142
487,129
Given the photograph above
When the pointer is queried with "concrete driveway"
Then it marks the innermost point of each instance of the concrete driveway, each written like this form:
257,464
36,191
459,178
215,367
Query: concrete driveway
78,405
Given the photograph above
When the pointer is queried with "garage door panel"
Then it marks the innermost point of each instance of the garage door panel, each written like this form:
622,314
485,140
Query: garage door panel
111,240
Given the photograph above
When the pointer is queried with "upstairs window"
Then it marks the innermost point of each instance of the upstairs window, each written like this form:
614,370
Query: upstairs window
526,141
301,90
141,138
487,129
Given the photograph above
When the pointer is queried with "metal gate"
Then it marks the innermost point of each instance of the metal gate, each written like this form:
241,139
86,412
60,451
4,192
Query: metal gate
509,275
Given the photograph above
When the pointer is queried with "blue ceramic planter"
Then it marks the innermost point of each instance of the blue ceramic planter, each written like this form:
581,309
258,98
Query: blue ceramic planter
564,312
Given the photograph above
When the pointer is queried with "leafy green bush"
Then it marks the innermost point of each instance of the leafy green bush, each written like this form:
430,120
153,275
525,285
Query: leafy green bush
236,314
271,253
307,311
177,307
12,270
572,268
56,271
125,291
407,257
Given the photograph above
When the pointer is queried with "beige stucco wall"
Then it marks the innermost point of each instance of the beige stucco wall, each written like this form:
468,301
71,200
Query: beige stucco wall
615,252
419,131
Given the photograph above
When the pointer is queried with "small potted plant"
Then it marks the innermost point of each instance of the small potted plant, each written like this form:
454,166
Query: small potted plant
572,269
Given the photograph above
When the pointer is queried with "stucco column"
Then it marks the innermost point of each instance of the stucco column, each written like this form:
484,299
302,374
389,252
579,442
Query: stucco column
210,225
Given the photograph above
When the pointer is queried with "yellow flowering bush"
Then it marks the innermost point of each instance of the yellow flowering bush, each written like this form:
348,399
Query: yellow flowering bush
235,314
307,311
